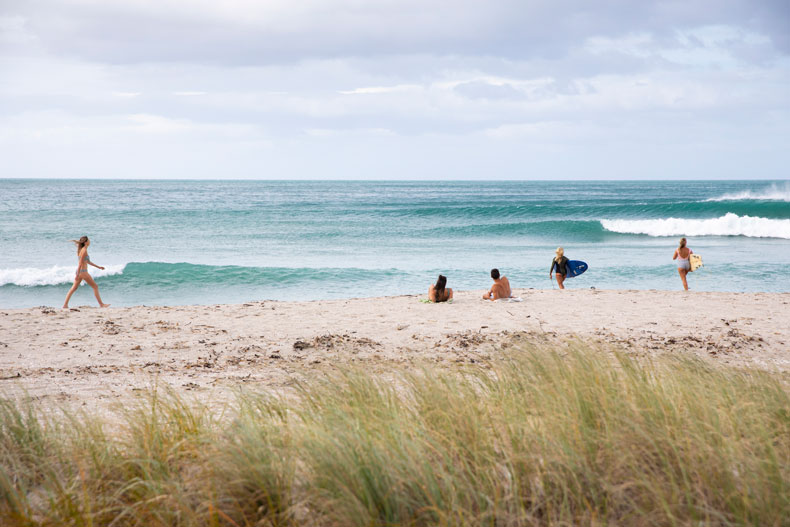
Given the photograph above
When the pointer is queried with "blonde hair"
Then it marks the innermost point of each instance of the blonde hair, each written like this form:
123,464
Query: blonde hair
560,252
682,243
80,243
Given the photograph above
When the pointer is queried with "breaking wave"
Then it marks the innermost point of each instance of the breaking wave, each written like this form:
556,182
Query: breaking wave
191,276
727,225
772,193
32,276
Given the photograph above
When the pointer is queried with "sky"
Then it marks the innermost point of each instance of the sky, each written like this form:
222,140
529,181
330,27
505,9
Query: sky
395,89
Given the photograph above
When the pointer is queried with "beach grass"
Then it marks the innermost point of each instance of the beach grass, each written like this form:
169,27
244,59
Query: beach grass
544,436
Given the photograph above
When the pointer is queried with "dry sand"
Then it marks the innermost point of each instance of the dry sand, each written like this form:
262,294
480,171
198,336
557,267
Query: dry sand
91,355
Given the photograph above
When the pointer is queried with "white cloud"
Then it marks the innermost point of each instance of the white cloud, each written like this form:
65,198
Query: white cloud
156,124
14,31
279,31
368,132
716,47
373,90
415,85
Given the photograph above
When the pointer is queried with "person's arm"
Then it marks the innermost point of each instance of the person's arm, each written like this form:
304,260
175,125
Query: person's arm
449,294
496,292
487,294
96,266
551,269
675,256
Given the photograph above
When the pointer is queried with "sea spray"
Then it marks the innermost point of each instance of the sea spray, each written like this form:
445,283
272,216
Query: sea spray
773,193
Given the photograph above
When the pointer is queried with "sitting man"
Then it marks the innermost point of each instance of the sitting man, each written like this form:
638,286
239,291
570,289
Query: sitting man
500,289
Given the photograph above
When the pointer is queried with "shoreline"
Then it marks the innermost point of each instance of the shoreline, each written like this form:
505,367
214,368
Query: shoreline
591,289
98,355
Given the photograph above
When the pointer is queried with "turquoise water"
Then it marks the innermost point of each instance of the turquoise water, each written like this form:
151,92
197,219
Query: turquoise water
205,242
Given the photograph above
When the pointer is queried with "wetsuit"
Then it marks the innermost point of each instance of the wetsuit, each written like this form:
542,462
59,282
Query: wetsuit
561,266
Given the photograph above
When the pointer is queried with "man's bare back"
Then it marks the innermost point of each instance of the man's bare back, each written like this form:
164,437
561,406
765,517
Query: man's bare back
500,289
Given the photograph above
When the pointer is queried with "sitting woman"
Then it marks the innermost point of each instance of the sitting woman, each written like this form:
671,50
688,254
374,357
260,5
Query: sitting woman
438,292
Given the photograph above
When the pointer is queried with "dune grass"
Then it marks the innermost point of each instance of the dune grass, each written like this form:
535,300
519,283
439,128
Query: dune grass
584,437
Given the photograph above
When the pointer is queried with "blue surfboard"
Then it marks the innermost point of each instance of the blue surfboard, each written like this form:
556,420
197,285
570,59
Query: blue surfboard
576,267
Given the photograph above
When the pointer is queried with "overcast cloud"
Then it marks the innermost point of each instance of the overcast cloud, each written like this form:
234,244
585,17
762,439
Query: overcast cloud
405,89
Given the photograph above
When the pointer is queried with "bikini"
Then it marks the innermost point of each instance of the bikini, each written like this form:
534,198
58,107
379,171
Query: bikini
87,261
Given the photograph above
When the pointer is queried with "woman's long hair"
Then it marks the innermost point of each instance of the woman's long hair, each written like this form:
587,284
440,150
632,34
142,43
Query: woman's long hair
560,253
438,288
80,243
682,245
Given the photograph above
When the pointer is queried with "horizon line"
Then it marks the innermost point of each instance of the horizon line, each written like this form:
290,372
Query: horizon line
360,180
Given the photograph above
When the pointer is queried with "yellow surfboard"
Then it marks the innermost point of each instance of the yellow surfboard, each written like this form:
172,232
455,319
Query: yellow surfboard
695,261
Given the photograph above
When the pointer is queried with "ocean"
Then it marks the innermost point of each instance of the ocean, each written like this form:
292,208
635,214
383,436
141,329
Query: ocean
208,242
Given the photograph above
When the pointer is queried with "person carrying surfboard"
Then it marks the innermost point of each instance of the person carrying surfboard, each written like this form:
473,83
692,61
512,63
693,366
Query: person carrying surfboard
682,254
560,263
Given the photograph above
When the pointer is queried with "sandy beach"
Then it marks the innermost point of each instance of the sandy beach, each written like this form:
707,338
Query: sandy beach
89,355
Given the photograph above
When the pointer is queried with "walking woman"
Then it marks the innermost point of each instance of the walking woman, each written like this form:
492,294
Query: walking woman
560,263
82,272
682,254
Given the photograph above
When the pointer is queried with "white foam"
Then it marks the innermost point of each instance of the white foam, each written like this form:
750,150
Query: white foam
728,225
31,276
772,193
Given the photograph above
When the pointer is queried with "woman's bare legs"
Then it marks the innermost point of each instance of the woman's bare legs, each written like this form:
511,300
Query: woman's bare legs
683,272
95,287
77,282
560,280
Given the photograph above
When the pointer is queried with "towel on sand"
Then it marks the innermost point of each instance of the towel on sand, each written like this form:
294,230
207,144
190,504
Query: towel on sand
426,301
511,299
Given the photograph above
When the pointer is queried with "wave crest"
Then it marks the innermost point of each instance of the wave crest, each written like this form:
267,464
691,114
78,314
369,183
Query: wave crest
163,274
772,193
32,276
728,225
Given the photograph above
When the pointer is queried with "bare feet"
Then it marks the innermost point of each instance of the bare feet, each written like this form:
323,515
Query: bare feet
104,305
